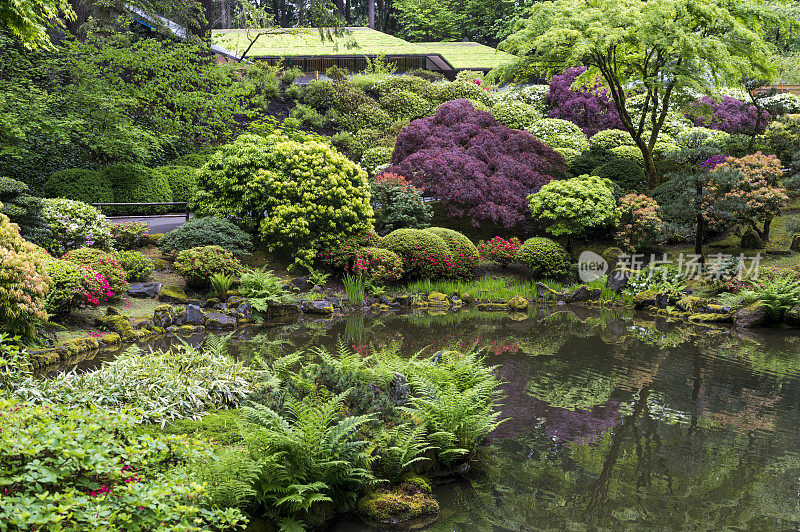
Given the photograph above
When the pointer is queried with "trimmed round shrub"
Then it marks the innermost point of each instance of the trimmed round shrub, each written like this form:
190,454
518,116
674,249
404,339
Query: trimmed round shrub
514,114
558,133
182,181
103,263
478,167
304,195
782,138
544,257
398,204
207,231
499,250
589,107
23,209
374,159
427,75
377,264
590,160
692,135
465,254
79,184
405,104
341,255
73,224
632,153
23,282
456,90
198,265
424,254
414,84
611,138
137,265
129,235
629,175
73,286
134,183
573,206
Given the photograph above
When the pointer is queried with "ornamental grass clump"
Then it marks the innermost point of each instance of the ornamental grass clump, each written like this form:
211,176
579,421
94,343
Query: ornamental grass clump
479,168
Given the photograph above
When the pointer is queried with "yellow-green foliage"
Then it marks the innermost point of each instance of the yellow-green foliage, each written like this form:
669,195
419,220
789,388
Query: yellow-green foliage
571,206
405,104
515,114
464,89
611,138
199,265
23,281
309,194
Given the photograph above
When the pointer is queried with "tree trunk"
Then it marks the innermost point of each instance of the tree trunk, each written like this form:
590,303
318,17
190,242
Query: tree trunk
348,13
649,167
763,233
284,15
371,13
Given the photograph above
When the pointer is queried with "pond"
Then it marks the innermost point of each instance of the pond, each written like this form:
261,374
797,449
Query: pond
614,420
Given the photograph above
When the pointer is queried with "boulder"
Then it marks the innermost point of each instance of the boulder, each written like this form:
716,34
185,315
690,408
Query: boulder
218,320
612,256
164,316
301,283
750,240
751,316
692,304
120,325
582,293
438,299
320,306
172,294
466,298
795,245
644,299
144,290
244,312
662,300
792,316
546,291
211,302
518,303
283,309
194,316
618,279
112,311
410,506
399,389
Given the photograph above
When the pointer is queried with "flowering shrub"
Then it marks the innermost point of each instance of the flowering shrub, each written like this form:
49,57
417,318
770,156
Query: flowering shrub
23,282
754,199
782,103
782,138
398,203
424,254
478,167
377,264
639,224
103,263
544,257
305,194
571,206
463,251
590,108
74,285
137,265
499,249
129,235
198,265
727,114
514,114
72,224
120,480
559,134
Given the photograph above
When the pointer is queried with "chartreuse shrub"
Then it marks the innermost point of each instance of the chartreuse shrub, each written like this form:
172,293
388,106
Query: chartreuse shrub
75,468
611,138
464,253
198,265
137,265
456,90
559,134
103,263
405,105
134,183
546,258
182,181
515,114
207,231
573,206
23,282
79,184
304,193
375,159
73,224
424,254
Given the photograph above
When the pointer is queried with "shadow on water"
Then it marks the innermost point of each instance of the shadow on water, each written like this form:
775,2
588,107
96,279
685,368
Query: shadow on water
616,421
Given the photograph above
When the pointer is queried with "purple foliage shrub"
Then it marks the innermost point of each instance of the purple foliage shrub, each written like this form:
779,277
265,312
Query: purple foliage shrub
729,115
478,167
590,108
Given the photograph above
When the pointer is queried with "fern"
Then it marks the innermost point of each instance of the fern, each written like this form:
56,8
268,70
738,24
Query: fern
404,448
230,479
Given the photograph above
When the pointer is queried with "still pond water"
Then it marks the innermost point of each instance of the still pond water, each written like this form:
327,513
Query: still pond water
615,421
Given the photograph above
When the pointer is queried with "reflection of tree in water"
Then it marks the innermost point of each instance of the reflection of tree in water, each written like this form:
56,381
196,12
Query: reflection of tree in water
560,387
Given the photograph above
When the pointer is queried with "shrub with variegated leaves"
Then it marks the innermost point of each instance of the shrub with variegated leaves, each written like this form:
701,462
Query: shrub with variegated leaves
639,225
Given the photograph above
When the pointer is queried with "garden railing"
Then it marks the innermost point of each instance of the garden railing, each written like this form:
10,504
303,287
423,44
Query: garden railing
183,204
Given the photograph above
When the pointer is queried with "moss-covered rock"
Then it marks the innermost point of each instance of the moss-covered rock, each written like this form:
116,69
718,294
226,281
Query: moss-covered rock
792,316
172,294
692,304
410,502
711,317
120,325
110,339
548,293
644,299
518,302
755,315
45,357
76,346
493,306
438,299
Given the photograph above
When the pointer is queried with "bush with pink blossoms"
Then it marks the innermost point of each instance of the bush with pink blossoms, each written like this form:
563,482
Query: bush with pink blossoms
590,108
74,286
478,167
103,263
377,264
727,114
499,249
424,254
639,224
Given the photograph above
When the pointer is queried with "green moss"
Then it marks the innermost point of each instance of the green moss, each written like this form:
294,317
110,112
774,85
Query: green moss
410,500
645,298
173,294
120,325
493,306
110,339
76,346
711,317
518,303
692,304
39,359
438,298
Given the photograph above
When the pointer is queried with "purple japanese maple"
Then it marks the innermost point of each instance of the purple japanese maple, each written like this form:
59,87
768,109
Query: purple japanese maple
478,167
729,115
590,108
